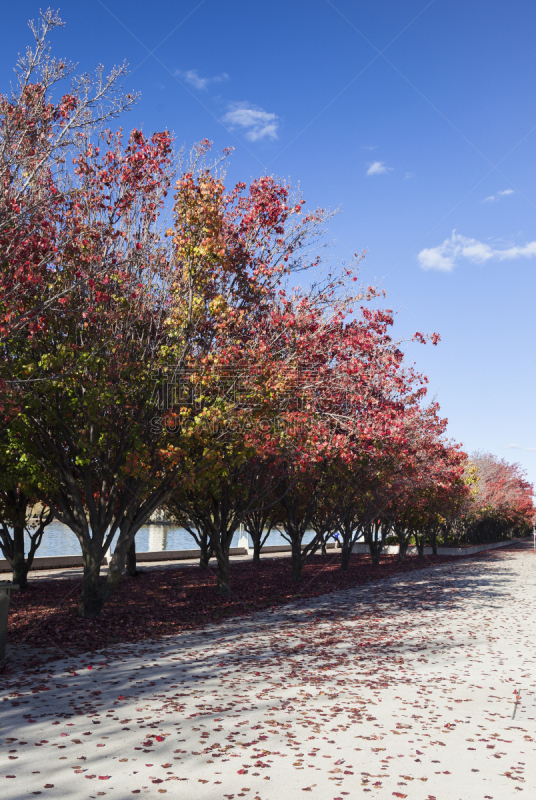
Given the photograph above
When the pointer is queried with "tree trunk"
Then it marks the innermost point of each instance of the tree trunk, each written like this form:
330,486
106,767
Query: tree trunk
19,565
419,541
403,543
130,560
434,542
258,526
204,558
256,551
207,551
345,555
297,563
375,548
223,587
92,599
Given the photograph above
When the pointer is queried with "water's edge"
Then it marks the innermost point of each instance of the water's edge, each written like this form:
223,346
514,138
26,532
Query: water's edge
59,540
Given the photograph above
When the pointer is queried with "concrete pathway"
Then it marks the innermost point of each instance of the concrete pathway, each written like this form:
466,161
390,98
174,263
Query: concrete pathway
144,566
403,688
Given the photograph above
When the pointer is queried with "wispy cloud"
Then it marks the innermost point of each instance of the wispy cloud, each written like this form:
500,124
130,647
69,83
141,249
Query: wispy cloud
378,168
494,197
518,447
192,77
445,256
255,122
369,146
408,175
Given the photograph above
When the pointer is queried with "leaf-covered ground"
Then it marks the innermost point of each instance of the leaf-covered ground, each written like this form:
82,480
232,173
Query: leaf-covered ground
168,601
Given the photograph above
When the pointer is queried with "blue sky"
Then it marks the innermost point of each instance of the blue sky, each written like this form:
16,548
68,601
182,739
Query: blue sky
417,118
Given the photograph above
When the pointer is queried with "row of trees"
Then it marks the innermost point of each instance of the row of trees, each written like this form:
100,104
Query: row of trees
157,352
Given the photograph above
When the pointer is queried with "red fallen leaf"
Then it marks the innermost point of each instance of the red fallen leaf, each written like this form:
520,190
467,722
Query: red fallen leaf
30,720
104,777
399,794
158,780
242,771
64,734
91,776
147,743
11,776
160,738
121,697
49,785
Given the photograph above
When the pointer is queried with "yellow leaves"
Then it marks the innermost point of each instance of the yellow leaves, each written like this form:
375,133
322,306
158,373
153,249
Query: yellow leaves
218,305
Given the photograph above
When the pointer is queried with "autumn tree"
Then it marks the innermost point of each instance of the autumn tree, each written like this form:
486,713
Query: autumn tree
45,120
83,380
232,250
21,515
499,501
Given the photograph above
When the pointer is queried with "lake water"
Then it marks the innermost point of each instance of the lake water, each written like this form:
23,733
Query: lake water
59,540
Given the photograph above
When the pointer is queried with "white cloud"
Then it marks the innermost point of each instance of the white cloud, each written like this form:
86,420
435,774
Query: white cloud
257,123
192,77
445,256
518,447
369,146
493,197
408,175
378,168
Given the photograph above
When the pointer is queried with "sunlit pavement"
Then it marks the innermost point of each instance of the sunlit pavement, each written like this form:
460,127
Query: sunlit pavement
401,688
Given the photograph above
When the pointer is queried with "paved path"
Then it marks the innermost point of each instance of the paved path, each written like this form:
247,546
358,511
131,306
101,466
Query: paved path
144,566
402,688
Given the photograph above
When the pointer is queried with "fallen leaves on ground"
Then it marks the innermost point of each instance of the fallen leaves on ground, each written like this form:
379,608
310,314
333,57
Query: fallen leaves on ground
162,602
